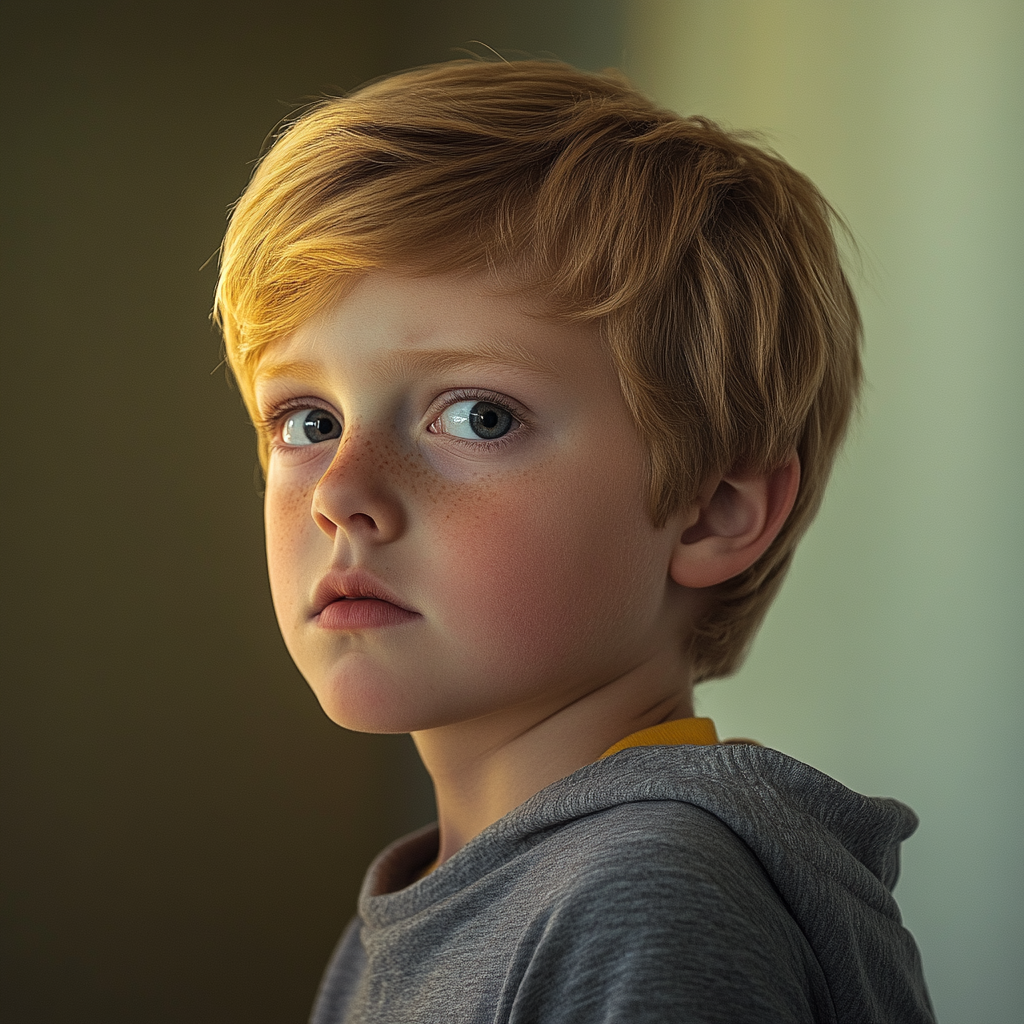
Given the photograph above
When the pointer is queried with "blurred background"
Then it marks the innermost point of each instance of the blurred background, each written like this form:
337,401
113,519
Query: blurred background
184,831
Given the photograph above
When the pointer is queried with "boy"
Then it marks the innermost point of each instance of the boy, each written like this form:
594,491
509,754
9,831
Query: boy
548,383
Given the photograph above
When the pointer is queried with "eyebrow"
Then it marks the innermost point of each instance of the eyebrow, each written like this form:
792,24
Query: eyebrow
436,360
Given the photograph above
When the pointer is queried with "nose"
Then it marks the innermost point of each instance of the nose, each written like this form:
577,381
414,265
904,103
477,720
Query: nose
357,492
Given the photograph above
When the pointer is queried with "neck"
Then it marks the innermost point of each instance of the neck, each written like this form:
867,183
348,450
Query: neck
484,768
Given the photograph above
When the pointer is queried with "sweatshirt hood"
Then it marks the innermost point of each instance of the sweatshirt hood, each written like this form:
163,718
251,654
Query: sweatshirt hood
831,854
803,826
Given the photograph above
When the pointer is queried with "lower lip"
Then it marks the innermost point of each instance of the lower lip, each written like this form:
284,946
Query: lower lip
363,613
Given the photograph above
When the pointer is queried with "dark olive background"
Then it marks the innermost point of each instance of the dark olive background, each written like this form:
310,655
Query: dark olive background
185,831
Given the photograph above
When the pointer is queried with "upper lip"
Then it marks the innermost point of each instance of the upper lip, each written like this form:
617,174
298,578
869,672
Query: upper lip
352,583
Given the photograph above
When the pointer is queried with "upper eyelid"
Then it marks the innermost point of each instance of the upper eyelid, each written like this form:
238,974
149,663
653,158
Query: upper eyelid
450,397
456,395
269,420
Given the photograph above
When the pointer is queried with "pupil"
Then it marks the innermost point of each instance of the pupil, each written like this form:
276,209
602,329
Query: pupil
320,427
489,421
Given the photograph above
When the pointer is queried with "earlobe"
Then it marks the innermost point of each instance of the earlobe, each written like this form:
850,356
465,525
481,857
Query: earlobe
732,524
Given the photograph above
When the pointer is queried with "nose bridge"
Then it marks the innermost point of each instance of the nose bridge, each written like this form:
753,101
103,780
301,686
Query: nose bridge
355,445
355,486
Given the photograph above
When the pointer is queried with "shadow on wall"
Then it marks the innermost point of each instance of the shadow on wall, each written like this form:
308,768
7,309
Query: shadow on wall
187,831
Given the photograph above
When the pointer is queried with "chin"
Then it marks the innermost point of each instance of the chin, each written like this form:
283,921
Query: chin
363,702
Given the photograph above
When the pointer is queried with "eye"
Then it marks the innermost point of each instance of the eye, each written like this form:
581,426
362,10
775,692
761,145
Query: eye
310,426
476,420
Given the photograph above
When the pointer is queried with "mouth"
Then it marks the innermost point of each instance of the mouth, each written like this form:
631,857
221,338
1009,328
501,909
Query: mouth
355,600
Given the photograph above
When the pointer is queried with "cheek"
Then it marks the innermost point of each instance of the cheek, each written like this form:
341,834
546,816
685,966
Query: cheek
537,571
288,525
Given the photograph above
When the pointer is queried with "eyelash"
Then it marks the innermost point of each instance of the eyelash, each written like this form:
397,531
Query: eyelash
268,425
476,394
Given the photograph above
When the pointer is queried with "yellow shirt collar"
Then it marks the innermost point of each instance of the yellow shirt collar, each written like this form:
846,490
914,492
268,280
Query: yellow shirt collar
695,731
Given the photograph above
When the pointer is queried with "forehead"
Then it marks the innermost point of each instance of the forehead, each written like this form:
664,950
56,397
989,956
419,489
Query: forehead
389,323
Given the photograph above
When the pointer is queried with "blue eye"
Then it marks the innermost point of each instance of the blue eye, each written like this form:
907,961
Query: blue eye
477,420
310,426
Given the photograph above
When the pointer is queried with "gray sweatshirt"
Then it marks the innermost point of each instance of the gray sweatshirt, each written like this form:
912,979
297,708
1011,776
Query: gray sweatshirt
672,883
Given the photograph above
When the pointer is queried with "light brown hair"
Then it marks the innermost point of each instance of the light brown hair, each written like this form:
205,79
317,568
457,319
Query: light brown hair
709,263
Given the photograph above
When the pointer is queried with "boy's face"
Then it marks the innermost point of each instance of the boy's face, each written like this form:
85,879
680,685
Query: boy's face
477,462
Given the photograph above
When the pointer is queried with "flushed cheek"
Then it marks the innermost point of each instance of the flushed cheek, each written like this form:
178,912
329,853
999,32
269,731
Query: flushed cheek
531,578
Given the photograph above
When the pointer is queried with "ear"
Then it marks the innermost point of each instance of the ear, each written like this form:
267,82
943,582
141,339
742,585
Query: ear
731,524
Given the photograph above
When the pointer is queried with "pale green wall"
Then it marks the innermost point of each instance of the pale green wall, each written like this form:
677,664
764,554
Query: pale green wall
894,658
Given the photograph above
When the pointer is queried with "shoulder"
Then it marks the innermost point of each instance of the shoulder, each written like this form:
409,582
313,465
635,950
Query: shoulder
341,978
658,909
654,843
